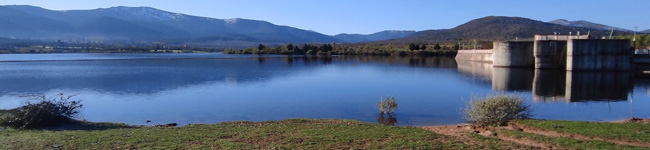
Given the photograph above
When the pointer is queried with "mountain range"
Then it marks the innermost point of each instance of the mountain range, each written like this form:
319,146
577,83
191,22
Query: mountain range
379,36
150,24
498,28
142,24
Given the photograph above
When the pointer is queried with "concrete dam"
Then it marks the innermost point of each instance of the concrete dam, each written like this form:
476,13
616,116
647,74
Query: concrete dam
569,52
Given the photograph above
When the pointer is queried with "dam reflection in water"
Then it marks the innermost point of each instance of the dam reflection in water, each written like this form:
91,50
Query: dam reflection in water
188,88
554,85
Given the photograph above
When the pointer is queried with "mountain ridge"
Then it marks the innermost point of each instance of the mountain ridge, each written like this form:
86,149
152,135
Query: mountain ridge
587,24
377,36
122,23
494,28
141,24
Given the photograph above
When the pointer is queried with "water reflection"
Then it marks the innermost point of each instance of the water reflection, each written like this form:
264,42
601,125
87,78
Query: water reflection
136,76
501,78
512,79
261,59
386,119
150,76
480,70
583,86
554,85
412,61
288,60
213,90
549,85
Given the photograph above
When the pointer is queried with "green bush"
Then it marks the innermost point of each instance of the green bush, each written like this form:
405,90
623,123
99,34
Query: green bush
42,113
387,105
496,110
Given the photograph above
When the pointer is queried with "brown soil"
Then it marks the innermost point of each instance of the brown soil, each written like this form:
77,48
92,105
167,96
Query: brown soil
577,136
634,120
454,131
460,132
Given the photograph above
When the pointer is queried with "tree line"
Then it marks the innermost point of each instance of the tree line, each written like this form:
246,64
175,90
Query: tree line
351,49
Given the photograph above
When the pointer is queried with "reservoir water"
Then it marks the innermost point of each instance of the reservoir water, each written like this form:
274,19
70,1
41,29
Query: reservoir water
212,88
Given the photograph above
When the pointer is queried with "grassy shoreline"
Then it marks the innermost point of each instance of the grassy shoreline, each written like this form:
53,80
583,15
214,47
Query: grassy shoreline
285,134
318,134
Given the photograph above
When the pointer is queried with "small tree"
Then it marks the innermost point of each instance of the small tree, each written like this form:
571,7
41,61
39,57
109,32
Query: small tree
289,46
423,47
412,46
305,47
456,46
387,105
437,46
261,47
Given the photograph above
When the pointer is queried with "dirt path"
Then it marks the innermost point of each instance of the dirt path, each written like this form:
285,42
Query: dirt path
576,136
461,133
453,131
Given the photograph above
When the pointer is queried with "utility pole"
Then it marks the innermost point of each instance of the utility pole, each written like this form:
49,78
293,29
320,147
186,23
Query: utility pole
634,39
474,44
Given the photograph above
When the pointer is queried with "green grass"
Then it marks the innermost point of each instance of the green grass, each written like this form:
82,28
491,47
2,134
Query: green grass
286,134
305,134
566,143
622,131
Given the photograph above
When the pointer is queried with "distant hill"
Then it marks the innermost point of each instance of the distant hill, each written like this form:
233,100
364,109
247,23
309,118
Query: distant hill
587,24
143,24
646,31
379,36
494,28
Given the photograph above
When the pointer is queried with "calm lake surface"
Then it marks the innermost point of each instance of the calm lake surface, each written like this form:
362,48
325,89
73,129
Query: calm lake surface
212,88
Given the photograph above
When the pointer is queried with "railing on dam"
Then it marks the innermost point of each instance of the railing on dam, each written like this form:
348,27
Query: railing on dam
481,55
476,51
559,37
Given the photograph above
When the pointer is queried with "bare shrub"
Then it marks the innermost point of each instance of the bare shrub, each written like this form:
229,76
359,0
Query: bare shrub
45,111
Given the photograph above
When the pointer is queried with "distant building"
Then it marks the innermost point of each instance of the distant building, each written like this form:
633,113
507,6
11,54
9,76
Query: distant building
60,43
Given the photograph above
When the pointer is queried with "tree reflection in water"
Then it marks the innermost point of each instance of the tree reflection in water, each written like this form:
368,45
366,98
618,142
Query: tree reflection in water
387,119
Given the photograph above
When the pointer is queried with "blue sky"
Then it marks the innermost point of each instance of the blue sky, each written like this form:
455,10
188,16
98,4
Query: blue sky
368,16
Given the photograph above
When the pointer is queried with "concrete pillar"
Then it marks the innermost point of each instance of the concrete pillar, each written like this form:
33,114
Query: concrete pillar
599,54
513,54
550,54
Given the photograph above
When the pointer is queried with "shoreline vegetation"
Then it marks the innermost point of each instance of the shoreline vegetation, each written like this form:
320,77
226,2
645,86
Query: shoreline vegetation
349,49
500,123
